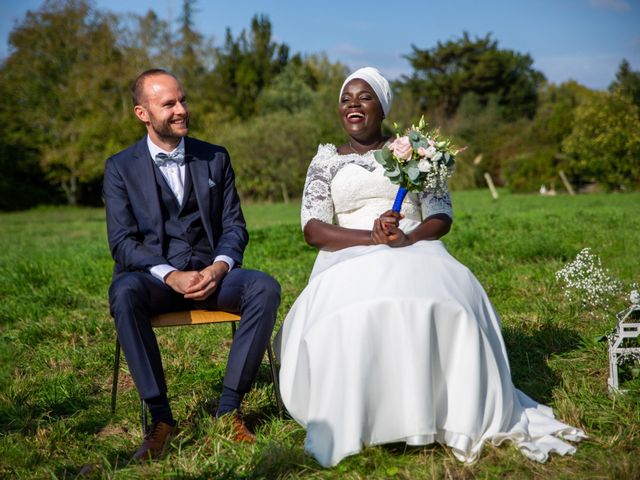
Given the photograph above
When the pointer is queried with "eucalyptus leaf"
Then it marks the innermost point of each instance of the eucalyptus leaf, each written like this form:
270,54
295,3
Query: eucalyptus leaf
412,170
386,154
421,143
393,173
393,178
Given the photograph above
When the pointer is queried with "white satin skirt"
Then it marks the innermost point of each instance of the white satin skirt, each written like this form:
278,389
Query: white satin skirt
392,345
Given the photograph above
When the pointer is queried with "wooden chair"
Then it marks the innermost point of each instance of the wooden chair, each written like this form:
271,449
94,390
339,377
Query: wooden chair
183,318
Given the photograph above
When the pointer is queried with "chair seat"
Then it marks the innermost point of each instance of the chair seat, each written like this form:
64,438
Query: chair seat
193,317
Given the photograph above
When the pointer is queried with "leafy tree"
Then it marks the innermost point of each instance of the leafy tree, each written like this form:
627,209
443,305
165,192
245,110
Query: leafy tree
604,144
65,78
22,183
492,141
194,56
69,74
272,150
245,66
444,74
326,79
270,153
554,118
189,63
148,41
541,157
289,91
627,82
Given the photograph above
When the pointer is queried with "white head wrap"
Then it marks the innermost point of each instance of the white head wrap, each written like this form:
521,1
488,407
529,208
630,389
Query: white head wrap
379,84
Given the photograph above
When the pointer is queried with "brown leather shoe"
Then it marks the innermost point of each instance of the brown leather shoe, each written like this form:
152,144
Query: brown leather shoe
155,442
233,426
241,432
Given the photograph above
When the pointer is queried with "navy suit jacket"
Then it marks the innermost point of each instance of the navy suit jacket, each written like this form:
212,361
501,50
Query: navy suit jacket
134,219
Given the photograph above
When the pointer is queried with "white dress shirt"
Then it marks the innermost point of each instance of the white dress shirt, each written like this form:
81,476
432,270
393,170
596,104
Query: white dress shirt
174,175
171,171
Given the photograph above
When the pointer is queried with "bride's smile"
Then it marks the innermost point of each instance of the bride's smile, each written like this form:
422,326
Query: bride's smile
360,113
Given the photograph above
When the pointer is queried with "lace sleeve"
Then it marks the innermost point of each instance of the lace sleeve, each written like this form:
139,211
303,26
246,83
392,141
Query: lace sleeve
316,196
431,204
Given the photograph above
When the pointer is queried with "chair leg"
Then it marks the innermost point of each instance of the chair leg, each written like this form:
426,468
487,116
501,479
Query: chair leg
116,371
114,390
274,378
274,373
143,417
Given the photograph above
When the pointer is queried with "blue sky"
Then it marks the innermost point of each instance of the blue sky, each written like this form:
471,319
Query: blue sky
584,40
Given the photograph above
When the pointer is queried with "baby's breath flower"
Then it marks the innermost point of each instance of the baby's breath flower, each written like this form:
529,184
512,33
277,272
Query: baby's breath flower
586,281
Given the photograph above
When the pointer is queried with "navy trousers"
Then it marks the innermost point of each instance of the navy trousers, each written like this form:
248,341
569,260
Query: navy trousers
135,297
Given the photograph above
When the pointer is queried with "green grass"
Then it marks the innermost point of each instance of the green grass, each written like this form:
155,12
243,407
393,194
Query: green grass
57,340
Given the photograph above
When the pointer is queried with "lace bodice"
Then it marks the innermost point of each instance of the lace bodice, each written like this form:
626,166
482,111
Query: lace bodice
351,191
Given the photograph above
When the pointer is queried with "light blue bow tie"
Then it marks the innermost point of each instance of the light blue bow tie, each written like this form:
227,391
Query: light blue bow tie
162,159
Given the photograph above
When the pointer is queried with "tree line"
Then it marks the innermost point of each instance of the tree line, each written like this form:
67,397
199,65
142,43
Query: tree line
67,106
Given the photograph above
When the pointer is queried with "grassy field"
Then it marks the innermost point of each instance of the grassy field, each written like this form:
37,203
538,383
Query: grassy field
57,340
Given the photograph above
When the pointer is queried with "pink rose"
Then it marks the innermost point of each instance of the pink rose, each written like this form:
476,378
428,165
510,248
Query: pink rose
401,147
422,151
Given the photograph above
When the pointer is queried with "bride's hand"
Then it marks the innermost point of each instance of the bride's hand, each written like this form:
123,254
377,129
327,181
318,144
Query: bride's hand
386,230
390,219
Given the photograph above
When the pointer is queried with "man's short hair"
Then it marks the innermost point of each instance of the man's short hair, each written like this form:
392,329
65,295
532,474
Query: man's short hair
136,86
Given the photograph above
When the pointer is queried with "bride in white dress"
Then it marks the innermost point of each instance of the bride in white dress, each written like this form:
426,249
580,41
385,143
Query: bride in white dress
393,339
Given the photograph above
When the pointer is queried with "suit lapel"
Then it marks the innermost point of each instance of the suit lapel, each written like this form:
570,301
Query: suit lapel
199,171
146,177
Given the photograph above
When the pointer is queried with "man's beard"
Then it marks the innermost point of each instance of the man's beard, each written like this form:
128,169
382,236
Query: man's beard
164,129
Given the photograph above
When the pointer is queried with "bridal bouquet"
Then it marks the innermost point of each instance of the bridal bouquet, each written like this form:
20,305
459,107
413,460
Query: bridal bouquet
418,160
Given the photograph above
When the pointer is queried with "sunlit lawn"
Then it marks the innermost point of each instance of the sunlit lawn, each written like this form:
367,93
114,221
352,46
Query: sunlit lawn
57,340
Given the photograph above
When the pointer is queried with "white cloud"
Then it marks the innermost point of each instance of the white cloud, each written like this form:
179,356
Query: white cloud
617,5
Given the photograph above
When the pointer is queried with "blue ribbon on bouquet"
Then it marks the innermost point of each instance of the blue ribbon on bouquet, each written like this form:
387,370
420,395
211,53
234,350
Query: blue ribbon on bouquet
397,203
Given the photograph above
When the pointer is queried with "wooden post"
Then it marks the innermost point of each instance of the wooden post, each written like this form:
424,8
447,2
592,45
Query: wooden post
492,188
285,193
567,185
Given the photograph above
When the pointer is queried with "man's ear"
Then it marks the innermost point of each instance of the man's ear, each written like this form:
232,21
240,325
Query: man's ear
141,113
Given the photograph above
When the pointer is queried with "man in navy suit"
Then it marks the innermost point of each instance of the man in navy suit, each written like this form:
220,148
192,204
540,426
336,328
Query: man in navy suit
177,235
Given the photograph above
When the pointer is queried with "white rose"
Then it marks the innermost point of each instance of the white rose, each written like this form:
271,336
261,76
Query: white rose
431,151
424,165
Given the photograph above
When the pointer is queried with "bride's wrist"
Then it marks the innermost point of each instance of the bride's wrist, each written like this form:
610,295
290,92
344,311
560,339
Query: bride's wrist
371,240
408,240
